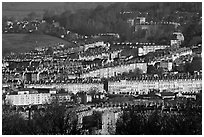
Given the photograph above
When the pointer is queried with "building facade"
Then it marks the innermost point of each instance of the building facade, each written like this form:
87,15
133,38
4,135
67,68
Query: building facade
70,87
116,70
28,99
150,48
143,87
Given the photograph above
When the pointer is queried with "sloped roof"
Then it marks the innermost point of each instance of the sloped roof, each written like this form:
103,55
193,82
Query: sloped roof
149,96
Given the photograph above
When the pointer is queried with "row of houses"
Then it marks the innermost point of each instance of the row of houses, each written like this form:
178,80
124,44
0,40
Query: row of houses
71,87
107,55
131,86
96,44
134,86
143,87
37,96
116,70
150,48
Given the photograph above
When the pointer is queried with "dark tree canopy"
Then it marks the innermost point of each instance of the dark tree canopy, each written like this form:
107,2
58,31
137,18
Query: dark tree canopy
158,123
54,120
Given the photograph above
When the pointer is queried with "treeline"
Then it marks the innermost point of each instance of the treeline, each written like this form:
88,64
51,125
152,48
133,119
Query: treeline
138,122
109,19
54,120
57,119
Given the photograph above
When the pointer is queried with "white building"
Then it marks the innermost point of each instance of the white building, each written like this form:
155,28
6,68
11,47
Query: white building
96,44
107,55
71,87
150,48
131,22
175,42
141,20
28,99
179,36
100,56
181,52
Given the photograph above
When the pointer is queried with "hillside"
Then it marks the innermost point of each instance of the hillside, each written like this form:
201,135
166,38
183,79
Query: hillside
20,10
26,42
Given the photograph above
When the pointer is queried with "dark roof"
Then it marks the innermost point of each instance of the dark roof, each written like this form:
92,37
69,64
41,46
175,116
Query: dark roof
167,94
189,93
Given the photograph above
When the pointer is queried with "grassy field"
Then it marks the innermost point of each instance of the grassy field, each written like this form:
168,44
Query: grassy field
26,42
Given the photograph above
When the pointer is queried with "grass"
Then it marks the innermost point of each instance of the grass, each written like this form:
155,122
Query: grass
25,42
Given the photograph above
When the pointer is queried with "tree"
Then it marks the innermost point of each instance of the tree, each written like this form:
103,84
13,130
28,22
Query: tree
93,122
137,71
49,16
64,19
190,31
196,64
130,123
93,91
49,51
4,21
160,70
31,16
54,120
140,122
151,69
44,27
13,123
195,40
